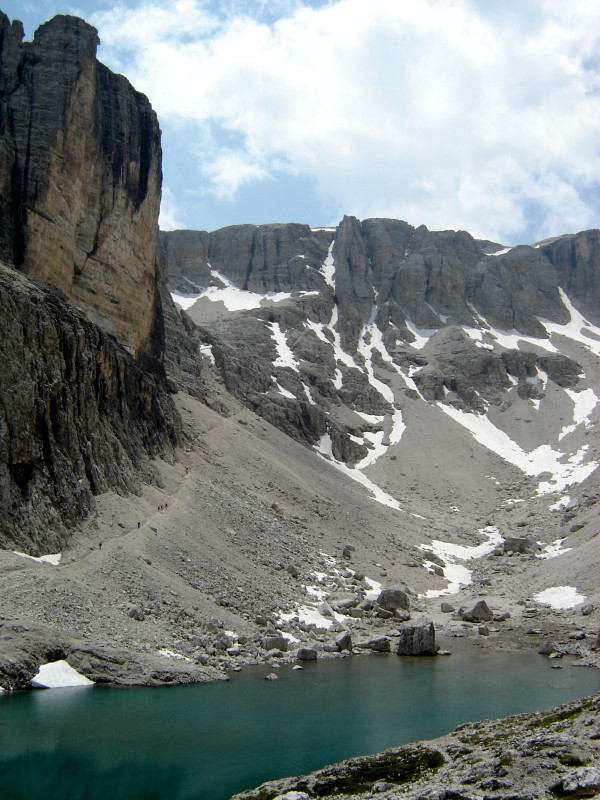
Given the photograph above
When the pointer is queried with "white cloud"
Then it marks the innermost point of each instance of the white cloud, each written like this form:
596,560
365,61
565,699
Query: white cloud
170,215
455,114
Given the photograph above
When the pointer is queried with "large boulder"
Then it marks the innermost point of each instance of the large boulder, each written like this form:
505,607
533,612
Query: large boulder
417,640
306,654
344,641
516,544
391,599
479,613
274,642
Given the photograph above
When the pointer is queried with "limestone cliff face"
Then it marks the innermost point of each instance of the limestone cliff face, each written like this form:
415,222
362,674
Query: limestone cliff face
576,258
80,180
260,258
78,416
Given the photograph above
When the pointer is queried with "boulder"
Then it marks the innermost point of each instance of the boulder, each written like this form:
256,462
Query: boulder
135,612
518,544
276,642
306,654
381,645
344,642
479,613
417,640
391,599
447,608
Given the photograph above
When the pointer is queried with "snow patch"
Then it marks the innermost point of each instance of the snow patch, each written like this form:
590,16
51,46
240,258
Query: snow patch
559,597
51,558
285,357
207,351
309,396
458,575
185,301
328,268
374,589
543,459
59,675
422,336
325,449
578,328
170,654
554,549
563,502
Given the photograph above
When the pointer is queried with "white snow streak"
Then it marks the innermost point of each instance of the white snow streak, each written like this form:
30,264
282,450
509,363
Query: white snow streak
543,459
285,357
328,268
578,328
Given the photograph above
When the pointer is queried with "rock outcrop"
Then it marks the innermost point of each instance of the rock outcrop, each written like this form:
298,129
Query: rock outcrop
80,180
78,416
417,640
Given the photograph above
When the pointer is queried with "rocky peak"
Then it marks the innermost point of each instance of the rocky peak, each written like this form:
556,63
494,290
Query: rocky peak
80,179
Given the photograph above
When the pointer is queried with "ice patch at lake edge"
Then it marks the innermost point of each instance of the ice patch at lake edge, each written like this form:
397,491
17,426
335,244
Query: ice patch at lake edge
59,675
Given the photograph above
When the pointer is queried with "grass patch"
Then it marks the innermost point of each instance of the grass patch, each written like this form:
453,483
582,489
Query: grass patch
405,766
546,720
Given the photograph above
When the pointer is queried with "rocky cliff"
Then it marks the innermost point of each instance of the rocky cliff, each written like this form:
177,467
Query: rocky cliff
78,416
331,324
80,180
83,400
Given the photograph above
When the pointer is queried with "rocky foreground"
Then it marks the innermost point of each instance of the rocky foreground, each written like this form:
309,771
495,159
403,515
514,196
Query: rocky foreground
548,754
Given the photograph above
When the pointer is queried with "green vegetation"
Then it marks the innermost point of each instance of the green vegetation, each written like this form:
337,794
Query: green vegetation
546,720
358,777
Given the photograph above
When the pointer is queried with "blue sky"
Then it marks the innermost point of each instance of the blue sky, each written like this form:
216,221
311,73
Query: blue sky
464,114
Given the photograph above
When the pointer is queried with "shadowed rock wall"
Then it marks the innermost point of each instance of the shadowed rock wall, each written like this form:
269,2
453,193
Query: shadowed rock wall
78,416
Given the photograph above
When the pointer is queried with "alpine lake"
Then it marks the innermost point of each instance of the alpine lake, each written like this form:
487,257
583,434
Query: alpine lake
209,741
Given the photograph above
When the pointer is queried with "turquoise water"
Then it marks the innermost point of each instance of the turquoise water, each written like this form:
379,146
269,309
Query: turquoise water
207,742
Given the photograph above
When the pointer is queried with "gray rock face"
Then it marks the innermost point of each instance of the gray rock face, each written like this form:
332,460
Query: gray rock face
78,416
384,273
576,258
417,640
263,258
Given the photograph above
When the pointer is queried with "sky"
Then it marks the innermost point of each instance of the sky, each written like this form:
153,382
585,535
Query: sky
480,115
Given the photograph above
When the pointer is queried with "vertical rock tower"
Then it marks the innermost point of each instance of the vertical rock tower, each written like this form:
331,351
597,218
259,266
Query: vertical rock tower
80,180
